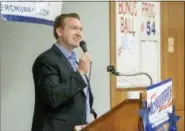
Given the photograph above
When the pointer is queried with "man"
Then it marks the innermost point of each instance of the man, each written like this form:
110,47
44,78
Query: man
63,97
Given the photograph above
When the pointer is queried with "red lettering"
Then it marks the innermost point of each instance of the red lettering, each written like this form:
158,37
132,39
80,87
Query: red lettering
148,9
127,25
143,8
127,8
122,24
120,7
153,10
135,8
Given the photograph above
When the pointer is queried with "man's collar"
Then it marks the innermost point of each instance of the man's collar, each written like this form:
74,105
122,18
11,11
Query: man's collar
66,52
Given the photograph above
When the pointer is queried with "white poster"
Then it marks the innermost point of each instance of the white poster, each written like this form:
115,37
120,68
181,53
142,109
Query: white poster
137,42
41,12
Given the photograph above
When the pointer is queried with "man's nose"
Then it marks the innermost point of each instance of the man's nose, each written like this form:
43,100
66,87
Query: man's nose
79,33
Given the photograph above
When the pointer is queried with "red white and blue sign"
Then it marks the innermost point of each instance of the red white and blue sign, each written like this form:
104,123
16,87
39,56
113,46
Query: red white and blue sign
159,100
158,113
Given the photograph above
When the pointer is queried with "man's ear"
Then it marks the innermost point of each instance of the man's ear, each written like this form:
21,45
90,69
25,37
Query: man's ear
59,31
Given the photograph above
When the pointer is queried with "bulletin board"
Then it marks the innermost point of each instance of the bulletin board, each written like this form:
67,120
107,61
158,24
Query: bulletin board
135,38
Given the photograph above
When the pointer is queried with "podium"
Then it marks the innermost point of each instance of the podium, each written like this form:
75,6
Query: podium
123,117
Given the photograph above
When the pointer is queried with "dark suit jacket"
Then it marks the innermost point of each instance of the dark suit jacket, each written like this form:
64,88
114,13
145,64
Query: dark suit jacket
59,99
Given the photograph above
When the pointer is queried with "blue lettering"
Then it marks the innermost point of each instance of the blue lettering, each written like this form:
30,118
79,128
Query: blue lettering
162,99
11,7
167,94
44,12
170,92
7,7
159,101
153,107
25,9
33,9
16,7
165,97
1,7
29,9
21,9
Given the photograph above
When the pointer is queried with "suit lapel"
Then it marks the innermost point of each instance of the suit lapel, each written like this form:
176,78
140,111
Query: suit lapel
65,61
63,58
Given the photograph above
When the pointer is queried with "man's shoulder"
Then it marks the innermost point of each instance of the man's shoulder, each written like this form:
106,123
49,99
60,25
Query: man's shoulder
46,55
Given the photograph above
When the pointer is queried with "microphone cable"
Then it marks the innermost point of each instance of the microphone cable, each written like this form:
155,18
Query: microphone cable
88,86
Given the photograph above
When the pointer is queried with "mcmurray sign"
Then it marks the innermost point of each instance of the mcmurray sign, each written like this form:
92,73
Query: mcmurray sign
42,12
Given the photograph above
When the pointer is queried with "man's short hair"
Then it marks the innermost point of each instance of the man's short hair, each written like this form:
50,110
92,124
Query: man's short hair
59,21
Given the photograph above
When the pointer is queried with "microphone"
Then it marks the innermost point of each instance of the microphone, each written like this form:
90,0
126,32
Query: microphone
113,71
83,45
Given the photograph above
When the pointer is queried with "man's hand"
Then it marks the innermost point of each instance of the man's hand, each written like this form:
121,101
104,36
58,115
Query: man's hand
84,62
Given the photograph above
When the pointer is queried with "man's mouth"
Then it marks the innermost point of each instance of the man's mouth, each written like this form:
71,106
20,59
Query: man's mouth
77,39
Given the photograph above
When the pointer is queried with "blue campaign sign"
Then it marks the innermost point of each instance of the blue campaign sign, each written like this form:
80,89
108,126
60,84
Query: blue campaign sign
42,12
159,113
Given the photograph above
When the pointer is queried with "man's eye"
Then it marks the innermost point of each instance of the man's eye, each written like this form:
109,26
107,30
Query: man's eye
74,28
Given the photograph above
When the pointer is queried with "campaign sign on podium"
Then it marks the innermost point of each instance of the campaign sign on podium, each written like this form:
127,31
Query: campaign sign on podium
159,100
159,112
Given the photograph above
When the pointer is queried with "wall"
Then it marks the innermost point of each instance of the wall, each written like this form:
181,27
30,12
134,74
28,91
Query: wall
20,43
172,26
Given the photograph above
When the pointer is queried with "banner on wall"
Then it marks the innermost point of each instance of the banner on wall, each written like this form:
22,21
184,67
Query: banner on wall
40,12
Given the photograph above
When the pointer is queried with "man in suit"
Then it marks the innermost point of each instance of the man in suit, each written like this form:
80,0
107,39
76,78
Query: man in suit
63,97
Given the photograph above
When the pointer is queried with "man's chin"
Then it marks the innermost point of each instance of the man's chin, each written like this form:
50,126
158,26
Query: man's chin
75,45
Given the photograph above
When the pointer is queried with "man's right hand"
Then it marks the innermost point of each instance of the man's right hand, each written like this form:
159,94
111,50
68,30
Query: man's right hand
84,62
